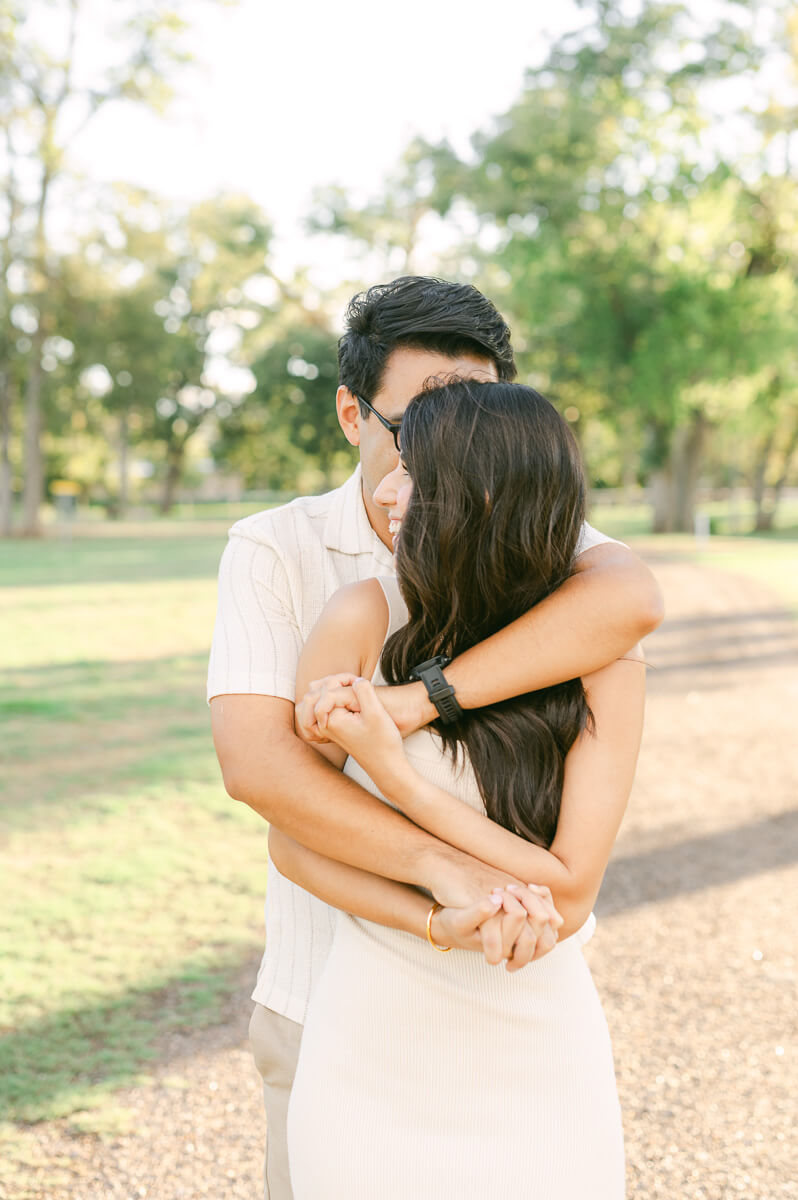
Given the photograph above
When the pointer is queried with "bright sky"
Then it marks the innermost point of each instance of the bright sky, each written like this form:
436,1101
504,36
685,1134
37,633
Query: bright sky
293,96
287,97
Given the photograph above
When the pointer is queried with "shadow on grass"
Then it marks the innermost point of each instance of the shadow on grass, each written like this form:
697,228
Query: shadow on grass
713,860
68,1061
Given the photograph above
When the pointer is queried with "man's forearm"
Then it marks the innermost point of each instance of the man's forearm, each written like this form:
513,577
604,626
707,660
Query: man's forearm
305,797
361,893
267,767
594,618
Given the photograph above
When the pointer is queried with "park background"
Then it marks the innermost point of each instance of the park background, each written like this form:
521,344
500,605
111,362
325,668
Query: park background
190,195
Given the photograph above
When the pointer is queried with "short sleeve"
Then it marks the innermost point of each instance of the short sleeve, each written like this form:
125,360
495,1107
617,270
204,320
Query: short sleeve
590,537
256,640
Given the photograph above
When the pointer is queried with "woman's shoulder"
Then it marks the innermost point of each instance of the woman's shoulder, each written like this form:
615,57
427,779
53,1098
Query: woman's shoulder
364,598
349,633
360,610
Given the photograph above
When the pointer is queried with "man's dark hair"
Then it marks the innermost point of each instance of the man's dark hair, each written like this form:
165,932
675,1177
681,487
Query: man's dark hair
419,313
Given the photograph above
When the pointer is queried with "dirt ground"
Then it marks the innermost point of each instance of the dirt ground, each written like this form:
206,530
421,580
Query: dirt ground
695,954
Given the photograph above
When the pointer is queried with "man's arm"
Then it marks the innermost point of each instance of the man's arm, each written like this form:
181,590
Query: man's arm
594,618
251,681
266,766
499,926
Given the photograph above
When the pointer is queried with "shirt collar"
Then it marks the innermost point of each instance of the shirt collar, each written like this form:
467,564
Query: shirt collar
348,529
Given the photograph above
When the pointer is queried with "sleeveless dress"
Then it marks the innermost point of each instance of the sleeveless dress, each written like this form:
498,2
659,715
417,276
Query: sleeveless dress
429,1076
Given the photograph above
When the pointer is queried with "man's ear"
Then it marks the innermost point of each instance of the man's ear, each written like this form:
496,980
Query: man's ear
348,411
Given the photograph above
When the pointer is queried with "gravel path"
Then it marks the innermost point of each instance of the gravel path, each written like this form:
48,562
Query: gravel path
695,956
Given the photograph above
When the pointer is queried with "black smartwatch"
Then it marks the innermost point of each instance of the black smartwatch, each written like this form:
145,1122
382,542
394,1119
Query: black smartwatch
439,691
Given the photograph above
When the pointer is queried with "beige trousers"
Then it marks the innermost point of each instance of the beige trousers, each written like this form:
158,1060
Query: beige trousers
275,1047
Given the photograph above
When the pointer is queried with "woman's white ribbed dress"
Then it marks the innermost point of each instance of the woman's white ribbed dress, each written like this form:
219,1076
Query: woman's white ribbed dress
428,1076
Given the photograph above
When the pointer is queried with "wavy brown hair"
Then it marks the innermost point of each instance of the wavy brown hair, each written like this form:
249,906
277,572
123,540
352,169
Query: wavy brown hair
491,529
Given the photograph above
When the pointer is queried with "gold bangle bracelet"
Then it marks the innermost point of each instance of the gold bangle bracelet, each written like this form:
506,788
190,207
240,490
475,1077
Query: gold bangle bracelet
435,908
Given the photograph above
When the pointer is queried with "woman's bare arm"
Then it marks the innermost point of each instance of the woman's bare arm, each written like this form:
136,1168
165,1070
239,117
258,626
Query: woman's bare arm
598,778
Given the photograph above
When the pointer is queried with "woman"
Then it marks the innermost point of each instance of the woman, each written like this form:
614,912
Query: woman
435,1076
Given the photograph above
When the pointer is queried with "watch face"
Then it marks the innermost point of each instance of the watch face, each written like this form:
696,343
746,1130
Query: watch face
432,664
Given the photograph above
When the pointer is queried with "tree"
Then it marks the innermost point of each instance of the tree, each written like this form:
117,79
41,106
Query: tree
44,105
286,433
169,342
591,188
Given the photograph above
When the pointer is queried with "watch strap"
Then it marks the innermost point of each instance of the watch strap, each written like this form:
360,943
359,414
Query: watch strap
441,693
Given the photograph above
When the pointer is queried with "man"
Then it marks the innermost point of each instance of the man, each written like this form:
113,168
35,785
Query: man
278,571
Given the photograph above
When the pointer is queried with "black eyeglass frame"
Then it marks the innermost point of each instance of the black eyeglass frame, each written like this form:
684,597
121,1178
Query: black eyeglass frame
393,427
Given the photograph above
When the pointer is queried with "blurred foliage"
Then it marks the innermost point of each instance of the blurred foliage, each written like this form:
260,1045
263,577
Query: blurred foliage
634,213
287,433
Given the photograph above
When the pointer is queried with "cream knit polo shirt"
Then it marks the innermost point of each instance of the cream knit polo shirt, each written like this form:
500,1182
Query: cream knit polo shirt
279,569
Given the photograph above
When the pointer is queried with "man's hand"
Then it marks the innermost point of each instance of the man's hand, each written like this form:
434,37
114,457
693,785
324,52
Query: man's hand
543,921
460,928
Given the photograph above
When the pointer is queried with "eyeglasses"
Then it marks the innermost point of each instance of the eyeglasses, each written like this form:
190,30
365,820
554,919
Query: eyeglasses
393,427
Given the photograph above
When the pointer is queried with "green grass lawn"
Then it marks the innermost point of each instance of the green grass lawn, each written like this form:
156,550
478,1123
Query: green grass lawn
133,885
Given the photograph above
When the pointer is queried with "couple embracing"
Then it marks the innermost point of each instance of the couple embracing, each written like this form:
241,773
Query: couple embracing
444,796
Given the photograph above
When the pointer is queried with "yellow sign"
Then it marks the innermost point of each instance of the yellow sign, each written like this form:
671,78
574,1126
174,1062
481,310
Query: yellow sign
64,487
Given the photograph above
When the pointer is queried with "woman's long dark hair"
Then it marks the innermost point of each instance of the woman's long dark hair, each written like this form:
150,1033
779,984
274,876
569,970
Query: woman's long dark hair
491,529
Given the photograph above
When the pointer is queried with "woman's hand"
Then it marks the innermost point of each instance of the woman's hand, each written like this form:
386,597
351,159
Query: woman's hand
322,696
345,709
538,934
515,925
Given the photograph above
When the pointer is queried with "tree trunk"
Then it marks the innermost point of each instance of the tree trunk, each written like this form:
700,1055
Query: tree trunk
33,465
6,493
673,484
765,517
758,482
659,479
174,470
661,491
686,457
124,465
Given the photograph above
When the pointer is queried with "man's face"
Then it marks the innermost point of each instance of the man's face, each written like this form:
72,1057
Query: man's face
407,372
